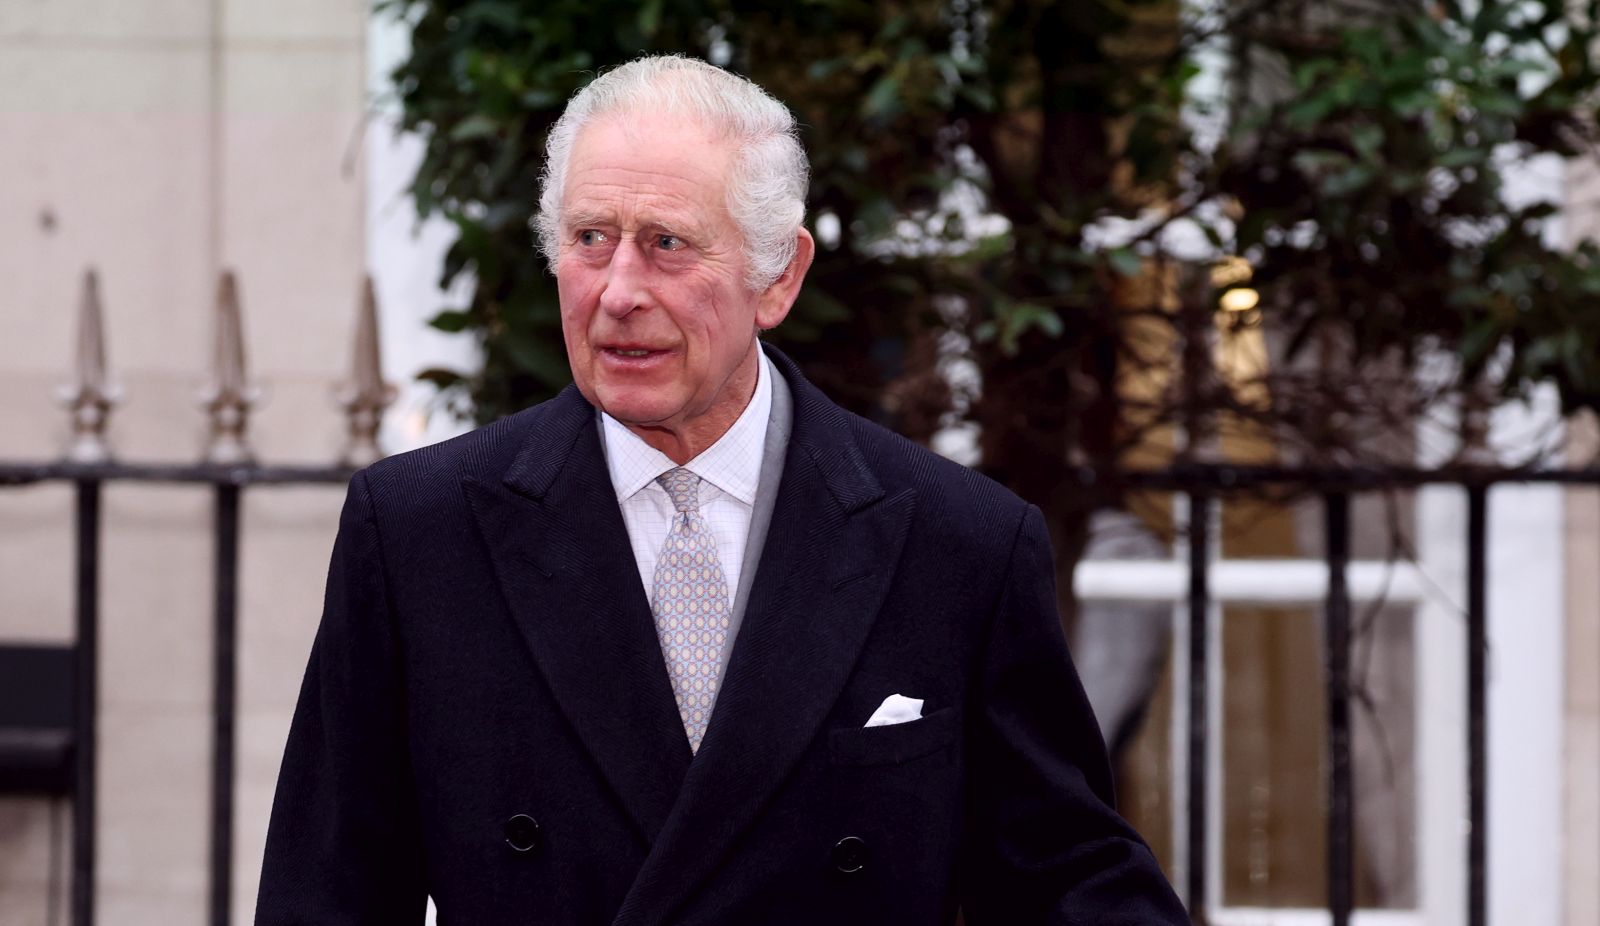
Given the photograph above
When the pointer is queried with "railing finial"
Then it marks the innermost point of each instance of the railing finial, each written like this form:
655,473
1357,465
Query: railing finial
365,395
229,397
91,396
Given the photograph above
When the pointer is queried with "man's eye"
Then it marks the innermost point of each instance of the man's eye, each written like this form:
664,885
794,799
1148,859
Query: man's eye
591,237
669,242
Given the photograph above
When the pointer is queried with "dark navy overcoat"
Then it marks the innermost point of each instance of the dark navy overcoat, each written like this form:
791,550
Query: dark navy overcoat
486,717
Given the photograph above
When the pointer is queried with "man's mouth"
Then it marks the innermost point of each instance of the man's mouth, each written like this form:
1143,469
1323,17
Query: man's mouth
632,350
634,357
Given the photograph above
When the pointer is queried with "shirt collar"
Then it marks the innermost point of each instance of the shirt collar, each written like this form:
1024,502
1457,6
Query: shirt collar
732,464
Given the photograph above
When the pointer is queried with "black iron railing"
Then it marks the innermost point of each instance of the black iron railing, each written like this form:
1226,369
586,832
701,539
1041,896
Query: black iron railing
228,466
1202,484
228,482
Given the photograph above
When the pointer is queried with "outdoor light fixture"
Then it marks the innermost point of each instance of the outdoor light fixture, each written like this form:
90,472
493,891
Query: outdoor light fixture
1242,299
1233,274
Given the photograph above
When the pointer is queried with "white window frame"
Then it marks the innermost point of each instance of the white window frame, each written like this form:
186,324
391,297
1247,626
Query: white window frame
1524,698
1280,582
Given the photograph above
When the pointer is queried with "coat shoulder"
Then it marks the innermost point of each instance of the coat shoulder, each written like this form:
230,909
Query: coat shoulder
969,512
966,504
414,483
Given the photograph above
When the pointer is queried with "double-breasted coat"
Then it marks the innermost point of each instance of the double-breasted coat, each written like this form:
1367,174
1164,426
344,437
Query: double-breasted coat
486,716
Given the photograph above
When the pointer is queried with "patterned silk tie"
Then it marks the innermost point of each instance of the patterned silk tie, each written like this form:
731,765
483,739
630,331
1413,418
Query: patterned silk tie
690,603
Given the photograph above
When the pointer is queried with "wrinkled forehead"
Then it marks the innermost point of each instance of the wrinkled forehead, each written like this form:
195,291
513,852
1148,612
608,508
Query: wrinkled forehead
649,161
650,133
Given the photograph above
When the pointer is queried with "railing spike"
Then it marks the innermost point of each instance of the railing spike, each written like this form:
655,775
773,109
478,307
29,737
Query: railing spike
229,397
365,395
91,396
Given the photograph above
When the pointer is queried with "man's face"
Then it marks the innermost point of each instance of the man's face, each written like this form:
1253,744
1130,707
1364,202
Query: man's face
659,323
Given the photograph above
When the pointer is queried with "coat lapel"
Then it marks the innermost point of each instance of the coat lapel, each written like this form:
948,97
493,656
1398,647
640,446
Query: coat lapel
829,556
561,554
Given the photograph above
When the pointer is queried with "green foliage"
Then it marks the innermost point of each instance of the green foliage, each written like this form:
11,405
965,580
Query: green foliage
1374,196
971,154
905,109
485,81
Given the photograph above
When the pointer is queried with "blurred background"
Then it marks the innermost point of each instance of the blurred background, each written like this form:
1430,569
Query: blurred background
1287,314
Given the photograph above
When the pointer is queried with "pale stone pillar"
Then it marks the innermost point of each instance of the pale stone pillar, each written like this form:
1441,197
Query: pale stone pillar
163,140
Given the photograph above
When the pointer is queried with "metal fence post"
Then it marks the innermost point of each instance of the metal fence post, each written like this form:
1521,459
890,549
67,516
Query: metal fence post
1477,704
1341,792
1199,700
86,698
223,707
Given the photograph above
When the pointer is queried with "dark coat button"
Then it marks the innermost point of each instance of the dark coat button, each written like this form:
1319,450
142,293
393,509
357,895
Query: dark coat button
850,854
522,833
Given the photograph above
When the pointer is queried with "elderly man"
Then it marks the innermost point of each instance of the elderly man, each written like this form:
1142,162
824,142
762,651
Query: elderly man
688,643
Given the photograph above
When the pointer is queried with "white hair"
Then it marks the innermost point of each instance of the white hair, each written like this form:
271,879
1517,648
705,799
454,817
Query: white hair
768,180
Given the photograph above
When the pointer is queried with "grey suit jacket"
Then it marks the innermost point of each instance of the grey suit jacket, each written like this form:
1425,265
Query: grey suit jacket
779,423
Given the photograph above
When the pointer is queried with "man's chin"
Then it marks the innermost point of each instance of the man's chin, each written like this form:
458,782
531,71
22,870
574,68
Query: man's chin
637,414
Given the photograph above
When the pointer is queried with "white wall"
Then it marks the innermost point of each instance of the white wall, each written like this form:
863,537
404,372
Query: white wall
405,258
163,140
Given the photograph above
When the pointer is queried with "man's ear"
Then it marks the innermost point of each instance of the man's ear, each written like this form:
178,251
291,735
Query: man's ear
773,305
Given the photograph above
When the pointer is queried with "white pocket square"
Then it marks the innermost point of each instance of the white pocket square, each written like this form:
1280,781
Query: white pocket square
896,709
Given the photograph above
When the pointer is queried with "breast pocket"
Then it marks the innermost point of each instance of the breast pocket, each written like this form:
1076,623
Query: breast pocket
895,743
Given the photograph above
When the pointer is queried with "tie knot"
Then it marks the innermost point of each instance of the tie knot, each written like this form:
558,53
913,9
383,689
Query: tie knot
683,486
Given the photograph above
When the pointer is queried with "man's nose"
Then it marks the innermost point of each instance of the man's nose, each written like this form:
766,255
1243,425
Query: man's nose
625,280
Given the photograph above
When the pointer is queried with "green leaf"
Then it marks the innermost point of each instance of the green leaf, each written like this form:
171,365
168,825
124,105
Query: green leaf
1308,112
1309,72
980,97
440,377
503,15
1479,341
1016,319
1462,157
1126,262
1350,180
542,356
474,126
649,17
883,100
1408,102
1319,161
450,320
824,68
1497,103
820,307
1367,139
1405,182
992,247
542,98
1050,323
